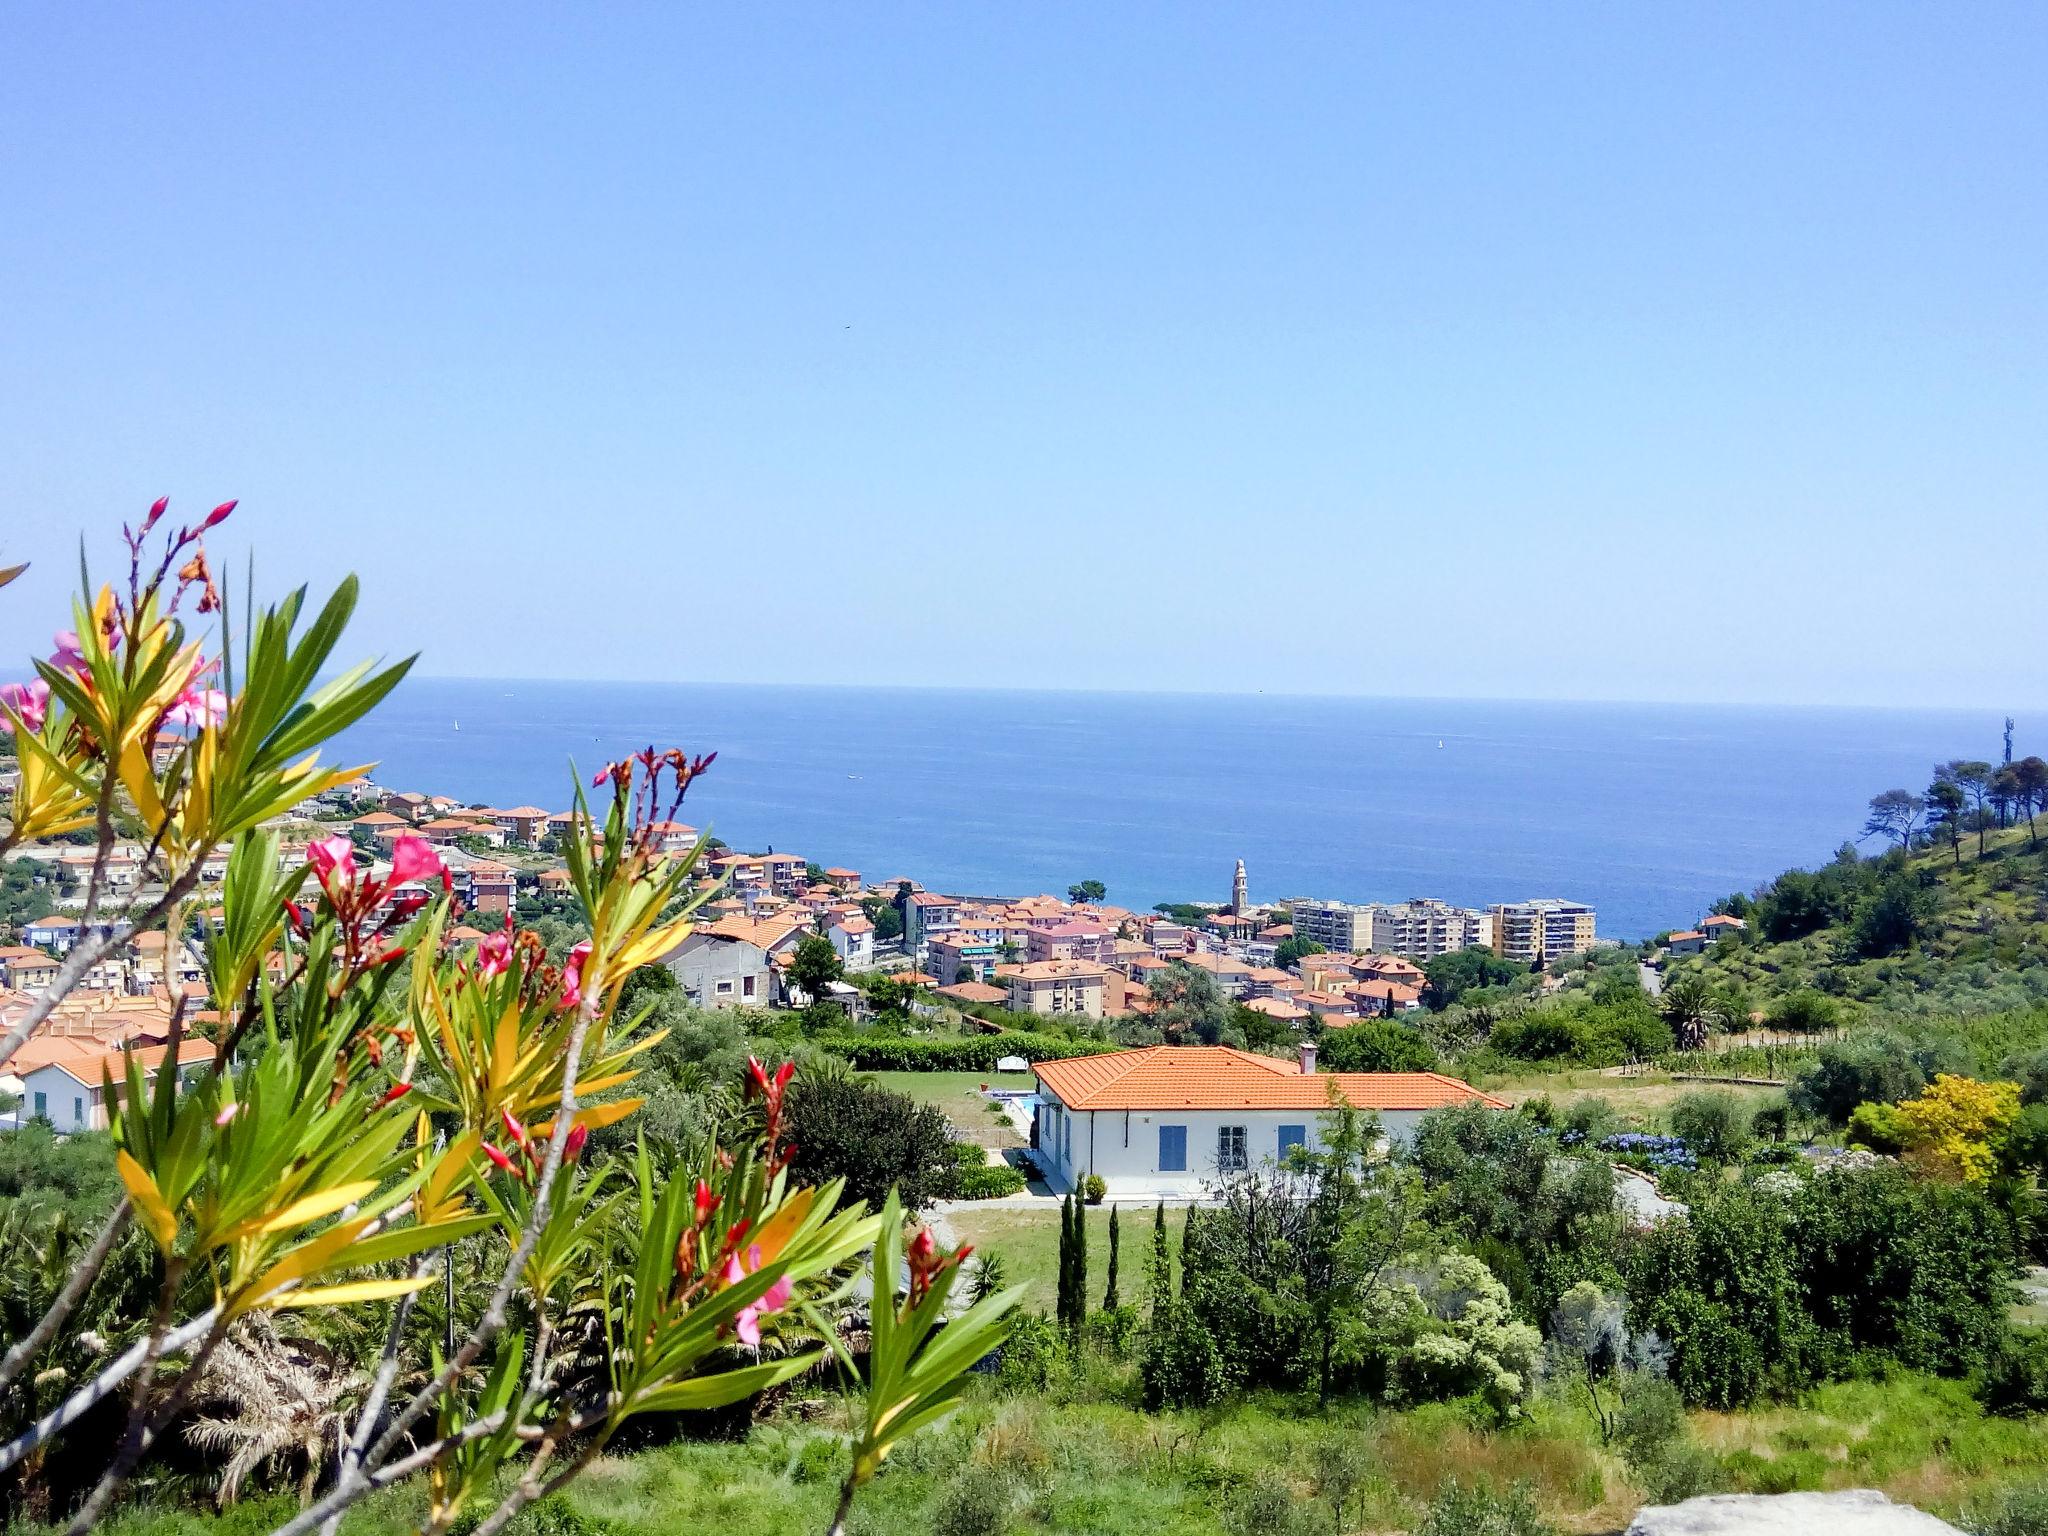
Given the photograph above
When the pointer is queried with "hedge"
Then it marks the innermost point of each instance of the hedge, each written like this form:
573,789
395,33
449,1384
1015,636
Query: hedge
959,1053
990,1181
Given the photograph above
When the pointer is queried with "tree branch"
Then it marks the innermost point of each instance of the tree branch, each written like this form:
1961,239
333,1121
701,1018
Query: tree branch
103,1385
75,1286
87,953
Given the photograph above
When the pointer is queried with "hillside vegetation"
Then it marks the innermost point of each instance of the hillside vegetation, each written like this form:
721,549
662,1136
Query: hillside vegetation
1939,930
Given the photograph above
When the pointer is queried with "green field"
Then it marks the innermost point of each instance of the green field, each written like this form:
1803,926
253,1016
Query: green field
1029,1242
957,1095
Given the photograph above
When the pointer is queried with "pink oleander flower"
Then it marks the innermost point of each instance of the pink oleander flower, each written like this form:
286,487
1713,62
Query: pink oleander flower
414,858
333,858
30,701
494,951
748,1323
218,515
67,655
572,976
200,707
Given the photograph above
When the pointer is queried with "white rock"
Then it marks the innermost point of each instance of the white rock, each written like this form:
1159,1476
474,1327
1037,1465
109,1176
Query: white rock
1856,1512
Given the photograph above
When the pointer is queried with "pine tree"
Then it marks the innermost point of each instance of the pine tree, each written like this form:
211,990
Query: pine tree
1109,1298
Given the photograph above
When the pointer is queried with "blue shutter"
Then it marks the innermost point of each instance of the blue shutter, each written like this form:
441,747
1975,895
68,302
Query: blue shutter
1173,1149
1292,1136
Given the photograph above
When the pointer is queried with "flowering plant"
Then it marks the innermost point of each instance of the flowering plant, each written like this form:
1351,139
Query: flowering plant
376,1094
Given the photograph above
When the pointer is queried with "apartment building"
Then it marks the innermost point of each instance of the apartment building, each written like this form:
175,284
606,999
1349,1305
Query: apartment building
1424,928
1336,925
1541,930
1053,986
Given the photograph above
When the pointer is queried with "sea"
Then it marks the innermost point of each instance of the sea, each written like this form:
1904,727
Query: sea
1648,811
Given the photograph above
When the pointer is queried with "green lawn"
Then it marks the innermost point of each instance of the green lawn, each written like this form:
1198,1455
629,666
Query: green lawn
1029,1242
958,1096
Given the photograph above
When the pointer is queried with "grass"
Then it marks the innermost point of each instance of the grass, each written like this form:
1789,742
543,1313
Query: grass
1647,1097
1056,1463
957,1095
1029,1242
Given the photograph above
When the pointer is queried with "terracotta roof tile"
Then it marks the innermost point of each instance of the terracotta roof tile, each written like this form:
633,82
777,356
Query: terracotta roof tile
1218,1077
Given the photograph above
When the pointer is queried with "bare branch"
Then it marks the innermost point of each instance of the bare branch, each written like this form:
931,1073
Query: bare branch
96,1391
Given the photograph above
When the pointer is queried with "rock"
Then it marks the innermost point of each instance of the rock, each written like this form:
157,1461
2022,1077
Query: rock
1857,1512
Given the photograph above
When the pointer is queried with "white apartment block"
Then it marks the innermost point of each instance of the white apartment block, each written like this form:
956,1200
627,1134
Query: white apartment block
1420,929
1425,928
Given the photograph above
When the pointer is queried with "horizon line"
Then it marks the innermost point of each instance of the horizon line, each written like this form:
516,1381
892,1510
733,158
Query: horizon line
2013,710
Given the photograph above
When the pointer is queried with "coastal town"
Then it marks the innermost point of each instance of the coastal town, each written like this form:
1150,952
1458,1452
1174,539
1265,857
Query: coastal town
1296,962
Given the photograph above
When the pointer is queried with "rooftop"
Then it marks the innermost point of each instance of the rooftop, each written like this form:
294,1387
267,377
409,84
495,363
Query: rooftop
1219,1077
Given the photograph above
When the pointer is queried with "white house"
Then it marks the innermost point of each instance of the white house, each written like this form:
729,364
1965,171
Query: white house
1168,1120
64,1085
853,940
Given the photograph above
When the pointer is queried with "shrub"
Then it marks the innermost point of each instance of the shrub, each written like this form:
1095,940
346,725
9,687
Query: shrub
2015,1377
1179,1366
1377,1045
975,1503
1718,1127
961,1053
2021,1511
1458,1510
1093,1188
990,1181
872,1138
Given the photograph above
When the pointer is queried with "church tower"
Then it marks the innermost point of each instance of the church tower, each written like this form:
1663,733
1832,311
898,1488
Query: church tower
1240,893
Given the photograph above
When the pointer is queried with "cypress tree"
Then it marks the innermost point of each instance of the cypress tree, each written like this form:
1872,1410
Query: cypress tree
1064,1305
1109,1298
1162,1261
1080,1265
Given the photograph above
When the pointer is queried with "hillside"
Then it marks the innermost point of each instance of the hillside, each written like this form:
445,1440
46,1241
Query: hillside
1940,930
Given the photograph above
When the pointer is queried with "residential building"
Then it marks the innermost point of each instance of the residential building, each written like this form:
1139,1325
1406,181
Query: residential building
1541,930
787,873
1721,926
949,958
973,992
493,888
927,914
23,969
853,939
63,1080
524,825
1424,928
1076,939
1689,941
848,880
730,964
1233,977
1053,986
1171,1120
1166,937
1336,925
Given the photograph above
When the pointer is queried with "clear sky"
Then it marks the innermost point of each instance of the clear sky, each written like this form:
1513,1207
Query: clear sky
1625,351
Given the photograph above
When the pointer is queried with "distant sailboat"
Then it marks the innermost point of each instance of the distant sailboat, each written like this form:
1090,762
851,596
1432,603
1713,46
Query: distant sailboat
1439,746
458,726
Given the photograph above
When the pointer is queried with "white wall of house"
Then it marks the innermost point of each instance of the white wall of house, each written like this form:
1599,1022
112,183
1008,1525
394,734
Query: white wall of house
1126,1146
52,1094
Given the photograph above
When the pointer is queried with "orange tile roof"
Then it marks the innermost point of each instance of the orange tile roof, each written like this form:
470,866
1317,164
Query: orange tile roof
1052,970
1219,1077
1277,1008
1690,933
1722,920
973,992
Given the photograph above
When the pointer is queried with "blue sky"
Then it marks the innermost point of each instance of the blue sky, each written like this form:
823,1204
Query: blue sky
1631,351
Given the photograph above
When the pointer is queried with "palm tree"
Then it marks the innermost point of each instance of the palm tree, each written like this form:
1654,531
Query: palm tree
283,1400
1692,1009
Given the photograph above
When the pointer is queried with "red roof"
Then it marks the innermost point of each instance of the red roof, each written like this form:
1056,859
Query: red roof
1218,1077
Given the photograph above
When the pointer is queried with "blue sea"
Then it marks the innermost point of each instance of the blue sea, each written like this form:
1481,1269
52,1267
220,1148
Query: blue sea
1648,811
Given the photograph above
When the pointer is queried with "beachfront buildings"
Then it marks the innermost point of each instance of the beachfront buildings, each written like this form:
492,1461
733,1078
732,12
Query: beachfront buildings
1541,930
1424,928
1164,1120
1420,929
1053,986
